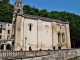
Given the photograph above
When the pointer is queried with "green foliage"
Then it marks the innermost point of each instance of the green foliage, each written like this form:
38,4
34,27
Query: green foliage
4,1
6,14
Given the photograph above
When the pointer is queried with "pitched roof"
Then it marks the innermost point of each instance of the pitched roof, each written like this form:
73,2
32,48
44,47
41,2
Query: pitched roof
45,18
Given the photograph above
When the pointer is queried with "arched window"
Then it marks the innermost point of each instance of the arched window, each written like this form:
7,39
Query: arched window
46,26
63,37
12,43
58,37
1,26
0,30
8,47
7,37
2,47
30,27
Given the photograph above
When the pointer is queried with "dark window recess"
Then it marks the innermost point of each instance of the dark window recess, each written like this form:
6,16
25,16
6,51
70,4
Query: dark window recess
8,47
12,36
8,31
0,36
7,37
1,26
8,24
58,37
2,46
0,30
30,27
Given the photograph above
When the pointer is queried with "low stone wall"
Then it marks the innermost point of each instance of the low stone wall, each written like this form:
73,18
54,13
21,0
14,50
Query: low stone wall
41,55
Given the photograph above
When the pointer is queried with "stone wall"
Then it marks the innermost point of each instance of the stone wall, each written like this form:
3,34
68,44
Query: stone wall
42,55
44,34
41,34
5,35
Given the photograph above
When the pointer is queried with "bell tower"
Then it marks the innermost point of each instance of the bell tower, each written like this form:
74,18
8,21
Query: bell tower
17,24
18,8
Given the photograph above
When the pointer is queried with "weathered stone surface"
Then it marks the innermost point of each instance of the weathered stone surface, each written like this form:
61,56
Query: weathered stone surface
43,34
42,55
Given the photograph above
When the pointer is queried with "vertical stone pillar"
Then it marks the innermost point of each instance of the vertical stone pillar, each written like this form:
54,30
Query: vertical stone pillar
61,38
54,35
39,34
13,26
65,41
18,33
68,36
4,46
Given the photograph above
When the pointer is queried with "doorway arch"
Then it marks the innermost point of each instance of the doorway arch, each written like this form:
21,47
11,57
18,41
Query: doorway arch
2,47
8,47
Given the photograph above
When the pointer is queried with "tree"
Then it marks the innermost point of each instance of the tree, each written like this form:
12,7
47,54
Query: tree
4,1
6,12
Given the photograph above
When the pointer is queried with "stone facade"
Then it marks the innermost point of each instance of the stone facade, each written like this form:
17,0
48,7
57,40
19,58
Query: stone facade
41,34
5,36
35,32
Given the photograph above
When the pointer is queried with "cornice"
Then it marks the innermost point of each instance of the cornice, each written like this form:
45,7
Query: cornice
45,19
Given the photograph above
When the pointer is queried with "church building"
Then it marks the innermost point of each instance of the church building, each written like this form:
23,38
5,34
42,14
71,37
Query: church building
35,32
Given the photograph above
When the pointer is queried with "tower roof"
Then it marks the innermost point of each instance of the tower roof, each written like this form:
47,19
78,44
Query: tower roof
18,8
19,1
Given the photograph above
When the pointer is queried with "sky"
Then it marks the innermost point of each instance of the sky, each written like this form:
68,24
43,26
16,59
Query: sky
72,6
